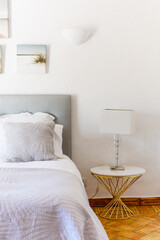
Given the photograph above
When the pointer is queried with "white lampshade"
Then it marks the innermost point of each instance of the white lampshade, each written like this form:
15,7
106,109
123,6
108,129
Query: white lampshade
76,35
117,121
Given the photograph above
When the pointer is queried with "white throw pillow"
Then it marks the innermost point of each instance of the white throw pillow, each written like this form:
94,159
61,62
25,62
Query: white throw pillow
38,117
26,141
27,117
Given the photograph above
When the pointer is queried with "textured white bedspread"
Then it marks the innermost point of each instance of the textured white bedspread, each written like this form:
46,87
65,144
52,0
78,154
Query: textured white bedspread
64,163
44,204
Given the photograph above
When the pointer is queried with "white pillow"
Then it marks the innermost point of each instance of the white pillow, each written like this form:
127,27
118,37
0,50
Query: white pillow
26,141
58,140
27,117
38,117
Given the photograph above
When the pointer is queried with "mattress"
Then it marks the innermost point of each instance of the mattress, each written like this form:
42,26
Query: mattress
45,200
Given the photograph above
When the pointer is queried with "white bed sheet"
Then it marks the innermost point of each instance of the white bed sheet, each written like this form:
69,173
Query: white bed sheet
64,163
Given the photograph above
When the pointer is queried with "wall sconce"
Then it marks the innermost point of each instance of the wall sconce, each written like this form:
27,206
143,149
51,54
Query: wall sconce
76,35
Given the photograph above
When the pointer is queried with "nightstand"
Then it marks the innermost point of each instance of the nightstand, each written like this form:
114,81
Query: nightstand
117,182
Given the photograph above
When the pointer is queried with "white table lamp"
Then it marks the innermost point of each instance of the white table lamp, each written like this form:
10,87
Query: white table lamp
117,121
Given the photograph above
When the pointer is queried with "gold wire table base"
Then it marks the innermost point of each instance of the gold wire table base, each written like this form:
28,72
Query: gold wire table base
116,209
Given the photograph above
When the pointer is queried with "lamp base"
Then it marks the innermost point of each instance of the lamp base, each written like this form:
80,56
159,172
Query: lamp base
117,168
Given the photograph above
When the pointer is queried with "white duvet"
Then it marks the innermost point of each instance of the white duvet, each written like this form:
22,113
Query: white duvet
45,200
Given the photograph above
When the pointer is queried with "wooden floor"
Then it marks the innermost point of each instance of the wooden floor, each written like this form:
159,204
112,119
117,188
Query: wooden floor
144,225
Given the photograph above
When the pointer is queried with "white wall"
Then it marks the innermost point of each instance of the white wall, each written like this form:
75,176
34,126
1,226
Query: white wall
119,67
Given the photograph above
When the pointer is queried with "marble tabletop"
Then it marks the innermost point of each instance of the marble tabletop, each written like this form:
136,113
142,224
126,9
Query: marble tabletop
106,171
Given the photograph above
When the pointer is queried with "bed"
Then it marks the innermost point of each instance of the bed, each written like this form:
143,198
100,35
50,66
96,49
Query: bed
42,200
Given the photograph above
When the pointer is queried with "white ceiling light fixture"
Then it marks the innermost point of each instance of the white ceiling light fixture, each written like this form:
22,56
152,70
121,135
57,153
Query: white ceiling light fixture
76,35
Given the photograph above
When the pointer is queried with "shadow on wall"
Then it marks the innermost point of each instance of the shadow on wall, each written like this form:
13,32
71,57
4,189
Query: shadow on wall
141,149
147,137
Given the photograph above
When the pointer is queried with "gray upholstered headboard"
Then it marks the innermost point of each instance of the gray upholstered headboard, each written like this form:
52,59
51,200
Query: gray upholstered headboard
57,105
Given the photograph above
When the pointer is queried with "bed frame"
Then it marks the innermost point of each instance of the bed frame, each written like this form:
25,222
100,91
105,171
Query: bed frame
57,105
